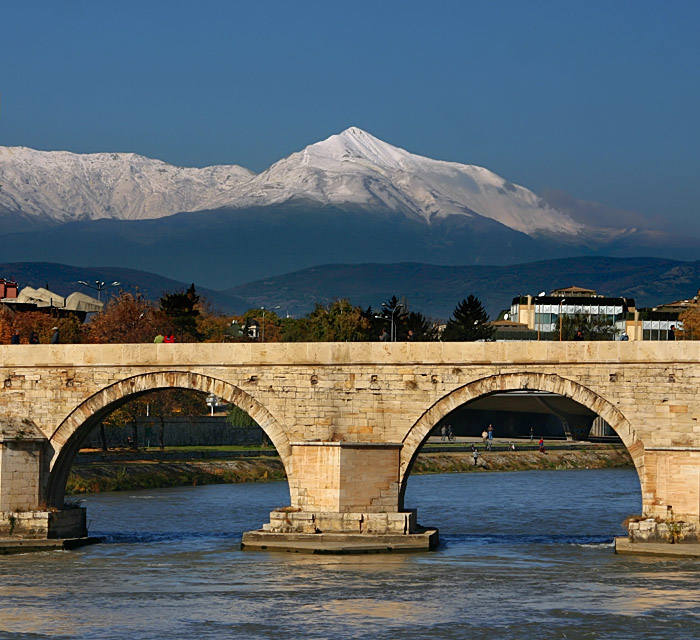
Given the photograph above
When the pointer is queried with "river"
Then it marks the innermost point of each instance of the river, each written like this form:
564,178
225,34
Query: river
523,555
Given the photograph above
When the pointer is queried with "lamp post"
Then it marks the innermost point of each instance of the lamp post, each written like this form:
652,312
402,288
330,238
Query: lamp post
393,326
263,322
99,286
537,322
561,302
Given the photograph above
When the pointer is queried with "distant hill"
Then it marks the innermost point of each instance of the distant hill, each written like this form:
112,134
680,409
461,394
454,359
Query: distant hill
435,290
432,289
63,279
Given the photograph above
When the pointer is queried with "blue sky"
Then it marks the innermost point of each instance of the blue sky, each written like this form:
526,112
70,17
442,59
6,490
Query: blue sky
598,99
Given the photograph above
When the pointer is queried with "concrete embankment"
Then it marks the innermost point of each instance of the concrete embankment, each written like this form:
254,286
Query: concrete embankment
119,475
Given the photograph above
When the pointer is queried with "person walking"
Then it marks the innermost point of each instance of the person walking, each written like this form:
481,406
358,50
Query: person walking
541,445
159,339
33,338
383,336
450,433
55,338
475,455
443,432
484,437
490,436
15,338
532,434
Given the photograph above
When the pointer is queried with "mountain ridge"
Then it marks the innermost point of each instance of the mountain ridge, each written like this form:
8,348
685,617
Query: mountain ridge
352,168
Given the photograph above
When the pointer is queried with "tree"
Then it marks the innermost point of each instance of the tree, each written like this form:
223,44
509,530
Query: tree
181,312
422,329
126,318
160,404
469,322
690,318
337,322
70,330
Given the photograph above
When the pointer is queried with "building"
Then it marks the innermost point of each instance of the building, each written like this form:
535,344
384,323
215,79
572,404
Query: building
541,313
29,299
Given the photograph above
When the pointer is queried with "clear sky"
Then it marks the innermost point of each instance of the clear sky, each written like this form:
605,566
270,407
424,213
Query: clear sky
598,99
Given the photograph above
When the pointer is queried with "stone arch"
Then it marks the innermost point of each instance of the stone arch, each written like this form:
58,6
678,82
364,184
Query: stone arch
551,382
66,439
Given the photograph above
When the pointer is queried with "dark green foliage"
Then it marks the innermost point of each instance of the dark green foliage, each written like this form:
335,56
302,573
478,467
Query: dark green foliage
469,322
180,309
236,417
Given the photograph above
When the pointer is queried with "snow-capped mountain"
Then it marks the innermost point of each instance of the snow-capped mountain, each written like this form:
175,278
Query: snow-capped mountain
355,168
65,187
351,169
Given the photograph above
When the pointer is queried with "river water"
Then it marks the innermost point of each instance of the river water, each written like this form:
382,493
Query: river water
523,555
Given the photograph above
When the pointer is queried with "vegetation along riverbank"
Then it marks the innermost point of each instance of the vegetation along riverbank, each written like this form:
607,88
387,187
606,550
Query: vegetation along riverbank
114,474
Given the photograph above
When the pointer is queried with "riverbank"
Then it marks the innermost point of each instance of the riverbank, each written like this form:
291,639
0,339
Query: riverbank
130,474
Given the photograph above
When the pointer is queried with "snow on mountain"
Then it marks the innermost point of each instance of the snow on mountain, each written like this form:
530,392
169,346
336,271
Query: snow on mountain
64,186
352,168
356,168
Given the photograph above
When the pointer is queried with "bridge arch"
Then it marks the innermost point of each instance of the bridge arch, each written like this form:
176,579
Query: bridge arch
418,433
66,439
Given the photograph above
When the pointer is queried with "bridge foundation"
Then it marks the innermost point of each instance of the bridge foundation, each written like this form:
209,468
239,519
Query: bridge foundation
24,468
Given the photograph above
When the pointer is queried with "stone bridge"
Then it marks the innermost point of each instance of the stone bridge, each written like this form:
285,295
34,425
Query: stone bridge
347,419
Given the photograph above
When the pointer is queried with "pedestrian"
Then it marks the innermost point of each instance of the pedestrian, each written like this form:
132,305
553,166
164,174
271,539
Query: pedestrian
15,338
484,436
532,433
512,446
55,338
409,337
450,433
383,336
475,455
541,445
443,432
170,338
490,436
672,333
33,338
579,335
159,339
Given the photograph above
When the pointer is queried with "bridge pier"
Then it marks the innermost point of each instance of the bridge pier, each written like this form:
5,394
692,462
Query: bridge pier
343,494
24,469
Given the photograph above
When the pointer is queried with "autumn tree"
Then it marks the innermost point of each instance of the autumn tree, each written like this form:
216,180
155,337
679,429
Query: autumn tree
159,404
126,318
690,319
25,323
469,322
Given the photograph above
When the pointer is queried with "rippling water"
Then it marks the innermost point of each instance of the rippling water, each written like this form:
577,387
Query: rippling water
523,555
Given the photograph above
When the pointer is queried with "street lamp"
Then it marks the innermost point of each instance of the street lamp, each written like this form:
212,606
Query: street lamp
561,302
393,311
99,286
262,339
537,322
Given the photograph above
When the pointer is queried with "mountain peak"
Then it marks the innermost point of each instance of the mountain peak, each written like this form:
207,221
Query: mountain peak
354,145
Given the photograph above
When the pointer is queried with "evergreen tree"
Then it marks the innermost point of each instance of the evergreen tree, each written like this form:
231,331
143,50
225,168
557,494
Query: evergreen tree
180,309
469,322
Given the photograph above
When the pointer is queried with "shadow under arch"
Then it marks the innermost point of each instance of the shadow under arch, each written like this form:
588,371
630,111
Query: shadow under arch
420,431
66,439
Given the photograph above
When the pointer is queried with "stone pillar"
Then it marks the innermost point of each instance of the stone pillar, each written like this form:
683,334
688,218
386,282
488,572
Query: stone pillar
344,487
671,484
24,469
